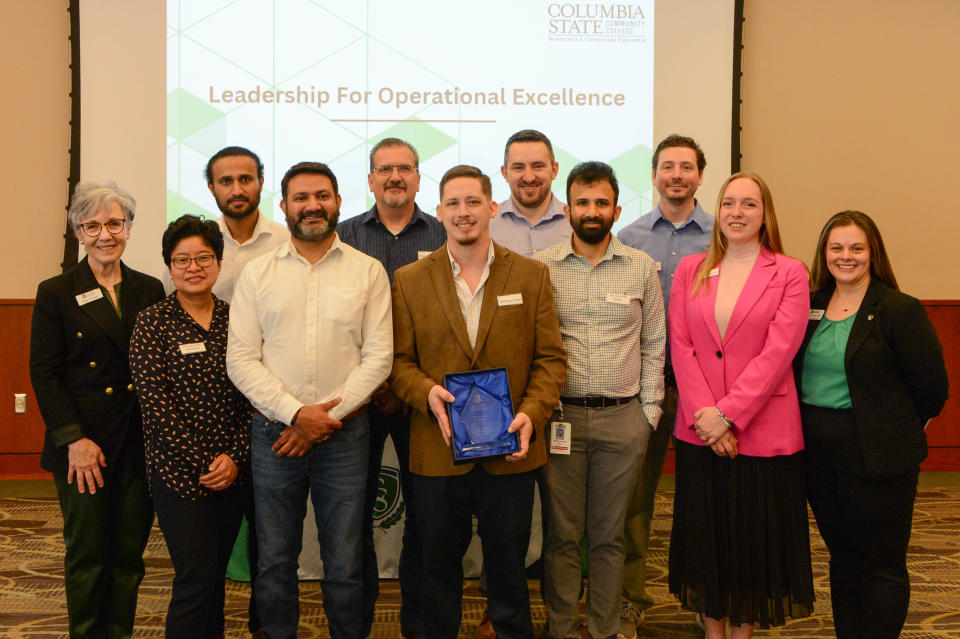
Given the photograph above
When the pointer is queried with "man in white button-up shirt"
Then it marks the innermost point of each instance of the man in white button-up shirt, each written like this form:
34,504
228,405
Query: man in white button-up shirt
310,341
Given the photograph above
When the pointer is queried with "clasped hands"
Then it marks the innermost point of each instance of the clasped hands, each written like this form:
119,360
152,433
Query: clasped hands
312,425
439,397
714,432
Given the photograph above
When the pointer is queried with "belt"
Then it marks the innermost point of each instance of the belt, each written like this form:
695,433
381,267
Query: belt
597,401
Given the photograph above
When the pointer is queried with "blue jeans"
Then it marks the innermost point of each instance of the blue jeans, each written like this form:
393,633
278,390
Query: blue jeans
334,473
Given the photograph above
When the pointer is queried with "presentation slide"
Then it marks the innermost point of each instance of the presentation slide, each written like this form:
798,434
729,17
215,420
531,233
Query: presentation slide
167,84
325,80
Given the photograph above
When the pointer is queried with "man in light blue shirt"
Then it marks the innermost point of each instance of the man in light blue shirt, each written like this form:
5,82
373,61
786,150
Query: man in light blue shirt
676,227
532,218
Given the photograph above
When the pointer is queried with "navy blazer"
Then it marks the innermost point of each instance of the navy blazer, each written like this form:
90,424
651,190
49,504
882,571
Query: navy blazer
896,376
79,364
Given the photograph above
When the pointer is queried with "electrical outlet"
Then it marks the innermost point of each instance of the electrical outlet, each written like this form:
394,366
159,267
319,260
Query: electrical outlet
19,402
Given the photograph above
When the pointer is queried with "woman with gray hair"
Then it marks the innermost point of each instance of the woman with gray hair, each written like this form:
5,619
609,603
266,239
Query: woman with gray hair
79,342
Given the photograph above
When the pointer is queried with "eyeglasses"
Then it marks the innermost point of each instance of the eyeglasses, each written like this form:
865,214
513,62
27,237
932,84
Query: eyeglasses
387,169
203,261
114,226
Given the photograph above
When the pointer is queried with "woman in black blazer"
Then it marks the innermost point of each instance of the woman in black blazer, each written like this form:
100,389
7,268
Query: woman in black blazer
871,374
93,445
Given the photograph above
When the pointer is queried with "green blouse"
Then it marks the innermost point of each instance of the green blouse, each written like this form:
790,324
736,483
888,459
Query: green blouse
824,376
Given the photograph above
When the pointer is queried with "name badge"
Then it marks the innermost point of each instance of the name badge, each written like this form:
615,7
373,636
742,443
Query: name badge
560,436
714,271
89,296
816,314
196,347
423,254
616,298
514,299
659,266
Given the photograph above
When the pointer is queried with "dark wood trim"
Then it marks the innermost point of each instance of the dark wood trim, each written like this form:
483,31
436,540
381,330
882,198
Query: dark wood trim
735,128
71,248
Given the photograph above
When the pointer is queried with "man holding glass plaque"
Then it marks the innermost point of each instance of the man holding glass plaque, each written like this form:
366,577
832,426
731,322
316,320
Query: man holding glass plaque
611,315
483,318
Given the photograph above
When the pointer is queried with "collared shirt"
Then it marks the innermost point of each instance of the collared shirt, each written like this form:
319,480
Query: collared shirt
471,303
657,236
267,236
512,230
612,322
304,333
423,234
192,413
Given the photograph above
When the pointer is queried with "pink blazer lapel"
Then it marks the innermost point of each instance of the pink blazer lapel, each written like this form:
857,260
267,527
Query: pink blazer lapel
756,285
708,301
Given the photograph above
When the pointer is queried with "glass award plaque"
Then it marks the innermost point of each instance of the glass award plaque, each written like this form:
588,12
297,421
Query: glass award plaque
480,415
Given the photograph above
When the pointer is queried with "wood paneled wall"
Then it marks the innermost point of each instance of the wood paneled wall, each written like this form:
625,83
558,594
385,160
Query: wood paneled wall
21,436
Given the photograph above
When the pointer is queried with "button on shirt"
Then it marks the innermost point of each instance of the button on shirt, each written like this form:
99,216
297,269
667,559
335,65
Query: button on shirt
471,303
612,322
368,234
513,231
191,412
267,236
304,333
656,236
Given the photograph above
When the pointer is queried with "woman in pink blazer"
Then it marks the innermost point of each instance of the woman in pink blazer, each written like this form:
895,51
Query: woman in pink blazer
740,547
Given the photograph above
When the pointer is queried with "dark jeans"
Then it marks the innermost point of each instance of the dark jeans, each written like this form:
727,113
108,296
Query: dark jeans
397,427
105,534
334,474
865,522
445,507
200,535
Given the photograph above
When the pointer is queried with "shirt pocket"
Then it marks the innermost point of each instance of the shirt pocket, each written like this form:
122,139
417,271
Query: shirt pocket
344,306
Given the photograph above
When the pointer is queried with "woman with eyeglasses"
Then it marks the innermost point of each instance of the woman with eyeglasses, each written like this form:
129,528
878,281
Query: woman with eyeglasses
195,426
93,445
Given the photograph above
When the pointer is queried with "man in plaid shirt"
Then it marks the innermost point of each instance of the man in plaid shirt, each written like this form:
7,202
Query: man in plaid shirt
610,308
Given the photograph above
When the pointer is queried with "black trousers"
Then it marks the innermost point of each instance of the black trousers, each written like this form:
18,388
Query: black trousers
865,522
445,507
200,535
397,427
253,556
105,534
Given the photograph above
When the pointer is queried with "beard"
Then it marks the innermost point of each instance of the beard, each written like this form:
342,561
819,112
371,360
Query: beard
592,235
252,205
318,233
538,197
396,200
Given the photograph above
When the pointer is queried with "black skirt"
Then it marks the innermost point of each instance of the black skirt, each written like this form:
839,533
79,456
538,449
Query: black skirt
740,545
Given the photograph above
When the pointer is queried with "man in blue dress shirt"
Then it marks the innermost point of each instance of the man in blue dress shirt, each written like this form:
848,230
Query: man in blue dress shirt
677,226
396,232
532,218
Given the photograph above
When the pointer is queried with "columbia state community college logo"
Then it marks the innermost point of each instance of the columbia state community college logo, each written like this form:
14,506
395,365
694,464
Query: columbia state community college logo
388,508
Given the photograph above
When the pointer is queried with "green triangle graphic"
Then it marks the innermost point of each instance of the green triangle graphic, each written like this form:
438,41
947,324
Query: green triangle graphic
633,168
187,114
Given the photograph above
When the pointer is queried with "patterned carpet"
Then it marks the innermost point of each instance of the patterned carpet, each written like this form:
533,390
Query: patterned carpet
32,604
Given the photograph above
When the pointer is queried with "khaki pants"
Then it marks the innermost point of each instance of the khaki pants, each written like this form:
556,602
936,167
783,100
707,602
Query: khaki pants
586,494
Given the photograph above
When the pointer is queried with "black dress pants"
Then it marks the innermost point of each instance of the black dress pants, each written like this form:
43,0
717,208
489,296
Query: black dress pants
410,572
200,535
445,507
105,534
865,522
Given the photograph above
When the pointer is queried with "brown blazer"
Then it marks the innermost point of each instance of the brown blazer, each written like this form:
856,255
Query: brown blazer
430,340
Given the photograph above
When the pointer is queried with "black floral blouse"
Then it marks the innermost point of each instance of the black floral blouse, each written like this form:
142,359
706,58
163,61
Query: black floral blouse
192,412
